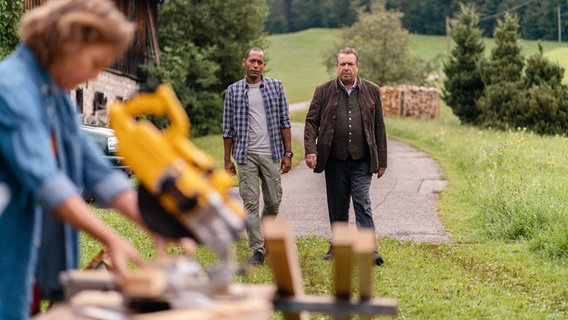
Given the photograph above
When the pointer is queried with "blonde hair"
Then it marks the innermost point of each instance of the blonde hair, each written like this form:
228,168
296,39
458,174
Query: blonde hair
60,27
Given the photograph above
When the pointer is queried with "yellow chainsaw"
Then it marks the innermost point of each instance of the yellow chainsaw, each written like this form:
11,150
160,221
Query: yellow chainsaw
181,192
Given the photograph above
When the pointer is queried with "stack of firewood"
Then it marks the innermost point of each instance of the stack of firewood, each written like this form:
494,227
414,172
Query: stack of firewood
411,101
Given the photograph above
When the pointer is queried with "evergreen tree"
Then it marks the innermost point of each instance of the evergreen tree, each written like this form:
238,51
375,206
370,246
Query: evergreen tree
502,76
544,110
463,85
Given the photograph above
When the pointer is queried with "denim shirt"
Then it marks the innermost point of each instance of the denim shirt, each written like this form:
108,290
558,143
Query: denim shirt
236,116
44,159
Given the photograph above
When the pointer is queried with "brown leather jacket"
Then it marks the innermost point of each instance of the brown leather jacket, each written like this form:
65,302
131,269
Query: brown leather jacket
320,122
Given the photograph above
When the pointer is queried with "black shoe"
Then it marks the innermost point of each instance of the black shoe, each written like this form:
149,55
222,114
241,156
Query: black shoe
256,258
378,259
328,255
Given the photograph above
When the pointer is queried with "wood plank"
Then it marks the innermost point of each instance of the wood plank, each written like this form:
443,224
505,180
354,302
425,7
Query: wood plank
333,306
146,283
343,236
364,247
282,256
283,259
249,308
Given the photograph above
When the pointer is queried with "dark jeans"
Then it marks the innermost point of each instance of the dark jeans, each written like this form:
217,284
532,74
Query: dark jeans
345,179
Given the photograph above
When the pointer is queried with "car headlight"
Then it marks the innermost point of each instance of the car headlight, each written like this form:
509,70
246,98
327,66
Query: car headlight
112,144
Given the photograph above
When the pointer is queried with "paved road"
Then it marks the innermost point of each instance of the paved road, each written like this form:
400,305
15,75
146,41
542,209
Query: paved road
404,199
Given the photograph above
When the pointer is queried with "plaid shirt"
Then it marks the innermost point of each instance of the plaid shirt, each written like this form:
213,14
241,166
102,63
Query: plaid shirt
236,116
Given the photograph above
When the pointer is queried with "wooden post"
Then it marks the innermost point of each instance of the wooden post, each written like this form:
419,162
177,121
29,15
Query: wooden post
365,246
342,242
283,259
346,241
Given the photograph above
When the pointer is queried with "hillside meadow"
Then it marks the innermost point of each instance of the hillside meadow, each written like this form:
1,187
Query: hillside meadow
297,58
505,209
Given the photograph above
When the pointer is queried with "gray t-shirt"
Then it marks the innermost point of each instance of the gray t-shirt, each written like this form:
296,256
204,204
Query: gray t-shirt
259,141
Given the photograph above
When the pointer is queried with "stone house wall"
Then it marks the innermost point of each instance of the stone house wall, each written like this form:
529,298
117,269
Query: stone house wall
93,97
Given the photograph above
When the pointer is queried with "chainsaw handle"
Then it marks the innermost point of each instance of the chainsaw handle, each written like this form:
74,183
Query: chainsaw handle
162,102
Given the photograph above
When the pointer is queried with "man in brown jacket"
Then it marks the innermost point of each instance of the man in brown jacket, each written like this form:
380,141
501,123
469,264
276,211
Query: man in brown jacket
345,136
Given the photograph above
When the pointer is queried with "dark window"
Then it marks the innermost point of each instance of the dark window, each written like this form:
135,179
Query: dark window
100,102
79,100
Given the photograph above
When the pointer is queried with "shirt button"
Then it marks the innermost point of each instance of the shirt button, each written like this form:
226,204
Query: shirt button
44,89
50,111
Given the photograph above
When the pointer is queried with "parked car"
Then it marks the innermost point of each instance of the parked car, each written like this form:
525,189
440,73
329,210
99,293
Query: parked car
108,143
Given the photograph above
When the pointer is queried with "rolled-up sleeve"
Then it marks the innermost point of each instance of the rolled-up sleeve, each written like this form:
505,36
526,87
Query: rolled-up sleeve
54,191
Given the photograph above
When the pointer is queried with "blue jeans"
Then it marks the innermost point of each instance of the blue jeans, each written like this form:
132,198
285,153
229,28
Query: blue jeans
345,180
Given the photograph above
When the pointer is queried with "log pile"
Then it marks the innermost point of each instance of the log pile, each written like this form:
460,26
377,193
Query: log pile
411,101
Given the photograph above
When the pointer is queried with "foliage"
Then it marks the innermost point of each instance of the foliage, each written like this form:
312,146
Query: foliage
294,15
538,19
535,100
501,75
202,43
463,85
384,48
10,13
545,107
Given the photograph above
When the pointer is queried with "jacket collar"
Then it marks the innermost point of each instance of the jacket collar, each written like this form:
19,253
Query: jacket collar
45,81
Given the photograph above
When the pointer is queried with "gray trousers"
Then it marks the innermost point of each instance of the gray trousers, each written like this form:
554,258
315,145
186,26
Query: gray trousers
260,172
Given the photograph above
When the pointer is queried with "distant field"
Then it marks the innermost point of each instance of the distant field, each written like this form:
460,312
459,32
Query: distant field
297,58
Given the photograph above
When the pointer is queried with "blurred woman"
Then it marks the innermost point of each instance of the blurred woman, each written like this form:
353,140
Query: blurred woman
46,160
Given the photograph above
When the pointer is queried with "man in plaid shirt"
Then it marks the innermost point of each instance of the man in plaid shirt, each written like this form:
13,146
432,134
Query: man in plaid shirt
256,133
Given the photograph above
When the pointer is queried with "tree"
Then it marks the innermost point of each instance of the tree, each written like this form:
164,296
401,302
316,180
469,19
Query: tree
202,43
501,75
383,46
277,20
544,109
463,85
10,13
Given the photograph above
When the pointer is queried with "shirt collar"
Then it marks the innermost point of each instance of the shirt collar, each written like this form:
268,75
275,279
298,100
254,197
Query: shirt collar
261,81
352,88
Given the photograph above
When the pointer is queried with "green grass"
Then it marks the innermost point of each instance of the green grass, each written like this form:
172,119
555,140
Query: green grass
297,60
505,207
